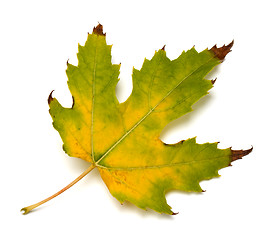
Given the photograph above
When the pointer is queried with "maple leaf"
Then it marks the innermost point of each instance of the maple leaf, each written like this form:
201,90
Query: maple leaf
122,140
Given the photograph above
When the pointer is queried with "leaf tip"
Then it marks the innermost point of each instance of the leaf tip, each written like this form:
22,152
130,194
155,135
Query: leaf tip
238,154
213,81
175,213
50,98
98,30
221,52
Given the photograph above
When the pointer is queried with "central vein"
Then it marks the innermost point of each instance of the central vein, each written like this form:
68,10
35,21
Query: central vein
93,104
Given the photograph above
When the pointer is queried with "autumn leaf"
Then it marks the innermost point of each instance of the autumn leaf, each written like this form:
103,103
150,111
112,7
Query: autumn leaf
122,140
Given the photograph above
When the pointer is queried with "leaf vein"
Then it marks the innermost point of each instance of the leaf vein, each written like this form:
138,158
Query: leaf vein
158,166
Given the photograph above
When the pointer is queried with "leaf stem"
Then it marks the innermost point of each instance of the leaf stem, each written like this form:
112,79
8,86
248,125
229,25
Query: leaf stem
31,207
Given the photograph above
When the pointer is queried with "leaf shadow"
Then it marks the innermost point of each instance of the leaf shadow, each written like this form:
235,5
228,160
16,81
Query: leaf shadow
77,164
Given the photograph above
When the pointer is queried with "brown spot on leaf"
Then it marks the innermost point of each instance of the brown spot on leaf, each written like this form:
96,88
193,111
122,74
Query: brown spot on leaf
175,213
50,98
174,144
73,102
213,81
238,154
221,52
99,30
163,48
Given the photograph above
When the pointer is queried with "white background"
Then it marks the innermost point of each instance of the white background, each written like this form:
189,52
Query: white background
38,37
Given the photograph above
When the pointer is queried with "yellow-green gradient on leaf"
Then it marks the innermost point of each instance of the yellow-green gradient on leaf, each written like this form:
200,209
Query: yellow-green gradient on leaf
122,140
